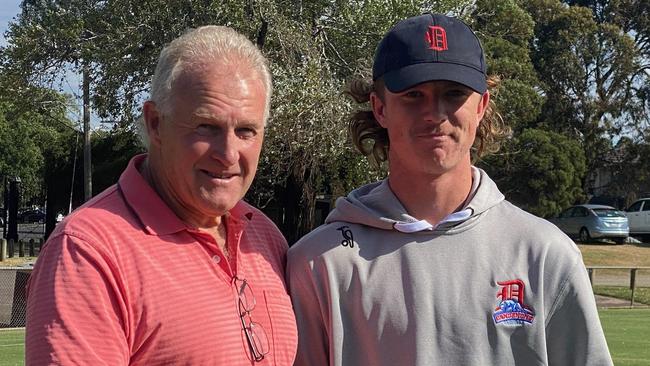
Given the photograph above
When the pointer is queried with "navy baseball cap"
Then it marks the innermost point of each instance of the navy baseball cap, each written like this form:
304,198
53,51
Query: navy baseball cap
430,47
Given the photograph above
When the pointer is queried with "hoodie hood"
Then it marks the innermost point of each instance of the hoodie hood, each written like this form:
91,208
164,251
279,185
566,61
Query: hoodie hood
376,205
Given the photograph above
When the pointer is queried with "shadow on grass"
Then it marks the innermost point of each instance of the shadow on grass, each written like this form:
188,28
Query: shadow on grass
642,245
643,242
599,243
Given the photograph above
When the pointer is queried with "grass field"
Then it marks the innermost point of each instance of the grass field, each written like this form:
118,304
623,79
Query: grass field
12,347
628,255
17,261
641,294
628,335
601,254
627,332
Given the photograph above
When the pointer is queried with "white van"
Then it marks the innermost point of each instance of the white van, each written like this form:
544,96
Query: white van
638,217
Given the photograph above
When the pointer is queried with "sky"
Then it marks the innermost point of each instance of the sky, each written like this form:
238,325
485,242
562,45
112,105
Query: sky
8,10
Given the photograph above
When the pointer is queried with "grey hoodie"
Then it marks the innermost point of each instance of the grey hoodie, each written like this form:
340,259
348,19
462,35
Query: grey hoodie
493,285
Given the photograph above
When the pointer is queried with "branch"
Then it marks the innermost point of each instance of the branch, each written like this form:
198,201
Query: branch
261,35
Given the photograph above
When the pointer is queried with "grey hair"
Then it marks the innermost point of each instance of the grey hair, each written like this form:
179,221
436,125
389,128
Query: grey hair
197,47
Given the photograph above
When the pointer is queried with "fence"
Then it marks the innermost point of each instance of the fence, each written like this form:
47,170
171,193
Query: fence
13,280
617,280
13,289
22,248
13,296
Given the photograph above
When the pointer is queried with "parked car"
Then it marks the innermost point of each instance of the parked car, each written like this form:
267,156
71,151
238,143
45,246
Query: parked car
638,215
587,222
32,216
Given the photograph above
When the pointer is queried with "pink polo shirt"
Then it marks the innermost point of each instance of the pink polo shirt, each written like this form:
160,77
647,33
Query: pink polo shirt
123,281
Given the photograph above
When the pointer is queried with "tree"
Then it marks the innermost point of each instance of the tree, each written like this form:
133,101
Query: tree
633,18
51,38
314,48
591,73
546,175
506,30
20,155
38,117
540,171
35,143
306,151
629,169
113,149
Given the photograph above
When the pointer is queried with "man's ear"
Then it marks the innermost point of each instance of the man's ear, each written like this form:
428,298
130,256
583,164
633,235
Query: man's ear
378,109
483,105
152,122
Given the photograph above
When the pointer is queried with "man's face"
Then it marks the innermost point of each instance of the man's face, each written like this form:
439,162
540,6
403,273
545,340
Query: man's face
431,126
209,145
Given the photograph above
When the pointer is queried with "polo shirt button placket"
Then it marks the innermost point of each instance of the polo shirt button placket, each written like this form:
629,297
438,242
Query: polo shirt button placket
216,259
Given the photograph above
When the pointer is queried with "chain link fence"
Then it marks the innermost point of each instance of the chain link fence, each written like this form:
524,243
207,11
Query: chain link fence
13,296
15,269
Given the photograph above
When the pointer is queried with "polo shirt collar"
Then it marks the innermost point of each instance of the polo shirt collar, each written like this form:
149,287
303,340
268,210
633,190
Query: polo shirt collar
156,217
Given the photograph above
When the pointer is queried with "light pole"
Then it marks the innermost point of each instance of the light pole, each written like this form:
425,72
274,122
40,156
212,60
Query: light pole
88,177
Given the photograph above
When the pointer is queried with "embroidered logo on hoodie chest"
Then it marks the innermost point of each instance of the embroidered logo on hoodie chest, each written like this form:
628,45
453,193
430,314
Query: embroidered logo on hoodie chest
511,308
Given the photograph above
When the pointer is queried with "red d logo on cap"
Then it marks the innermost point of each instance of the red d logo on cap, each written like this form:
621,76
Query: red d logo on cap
436,36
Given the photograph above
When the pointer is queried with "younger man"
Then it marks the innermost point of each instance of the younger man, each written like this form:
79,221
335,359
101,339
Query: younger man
432,266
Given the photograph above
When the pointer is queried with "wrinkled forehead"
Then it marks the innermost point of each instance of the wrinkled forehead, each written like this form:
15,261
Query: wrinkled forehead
194,77
212,91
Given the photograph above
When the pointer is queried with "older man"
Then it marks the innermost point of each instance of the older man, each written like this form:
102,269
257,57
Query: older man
432,266
169,266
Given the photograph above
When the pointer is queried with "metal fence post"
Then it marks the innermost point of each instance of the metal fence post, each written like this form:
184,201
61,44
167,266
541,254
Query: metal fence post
591,276
3,249
632,284
10,249
31,247
21,248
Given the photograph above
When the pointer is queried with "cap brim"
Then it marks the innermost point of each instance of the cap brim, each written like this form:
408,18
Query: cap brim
401,79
